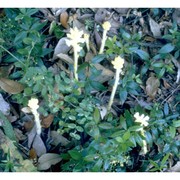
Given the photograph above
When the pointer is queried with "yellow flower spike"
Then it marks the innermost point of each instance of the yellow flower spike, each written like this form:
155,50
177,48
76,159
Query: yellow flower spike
75,37
141,119
106,26
118,65
86,38
33,104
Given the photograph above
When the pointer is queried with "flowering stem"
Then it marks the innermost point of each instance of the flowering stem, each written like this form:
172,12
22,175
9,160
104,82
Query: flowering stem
103,42
75,64
144,148
113,90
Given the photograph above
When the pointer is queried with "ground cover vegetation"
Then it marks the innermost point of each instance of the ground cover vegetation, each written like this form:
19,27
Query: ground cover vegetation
89,90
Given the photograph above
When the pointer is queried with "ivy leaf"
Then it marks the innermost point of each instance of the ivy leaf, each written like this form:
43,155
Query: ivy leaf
167,48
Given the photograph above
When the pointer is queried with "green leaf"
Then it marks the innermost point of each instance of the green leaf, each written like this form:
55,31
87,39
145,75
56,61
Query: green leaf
75,154
138,139
126,35
123,122
97,166
98,58
123,95
71,125
8,129
166,148
127,135
143,55
97,85
149,138
172,131
166,109
135,128
31,11
89,158
27,41
176,123
167,48
158,64
19,38
105,125
165,158
96,115
132,140
23,51
92,130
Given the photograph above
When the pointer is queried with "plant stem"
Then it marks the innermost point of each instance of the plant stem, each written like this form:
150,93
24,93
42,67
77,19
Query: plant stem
103,42
75,64
113,90
11,54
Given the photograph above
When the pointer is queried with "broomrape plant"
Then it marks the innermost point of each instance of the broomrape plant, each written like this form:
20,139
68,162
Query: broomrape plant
33,104
75,38
106,26
118,65
143,120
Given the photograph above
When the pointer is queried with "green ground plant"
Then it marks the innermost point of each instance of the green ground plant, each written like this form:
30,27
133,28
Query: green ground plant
114,142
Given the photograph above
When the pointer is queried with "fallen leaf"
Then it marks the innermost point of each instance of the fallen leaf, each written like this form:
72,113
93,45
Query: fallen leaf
177,64
10,86
19,135
8,145
152,85
100,15
4,106
64,19
39,146
26,110
123,11
176,15
61,47
47,121
58,139
5,71
103,111
155,28
106,74
175,168
65,58
47,160
97,38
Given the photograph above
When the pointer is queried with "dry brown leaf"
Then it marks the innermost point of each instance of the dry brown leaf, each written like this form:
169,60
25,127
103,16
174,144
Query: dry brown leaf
100,15
58,139
155,28
39,145
26,110
47,160
10,86
64,19
61,47
175,168
19,135
4,106
152,85
106,74
47,121
98,38
5,71
65,58
176,15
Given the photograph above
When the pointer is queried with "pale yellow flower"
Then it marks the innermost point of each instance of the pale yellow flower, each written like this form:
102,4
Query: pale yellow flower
33,104
118,63
75,37
141,119
106,26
